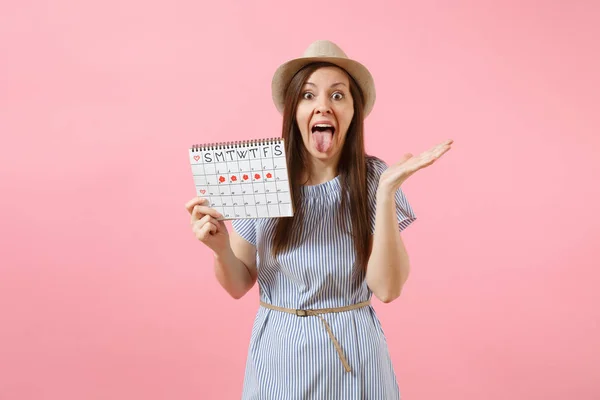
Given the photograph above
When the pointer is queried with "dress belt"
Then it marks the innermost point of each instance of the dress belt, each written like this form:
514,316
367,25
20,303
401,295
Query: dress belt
317,312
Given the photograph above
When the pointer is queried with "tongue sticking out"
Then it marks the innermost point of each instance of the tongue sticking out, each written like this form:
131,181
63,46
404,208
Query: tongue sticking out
323,140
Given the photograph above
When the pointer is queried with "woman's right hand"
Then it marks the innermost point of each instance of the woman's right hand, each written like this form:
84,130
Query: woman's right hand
206,225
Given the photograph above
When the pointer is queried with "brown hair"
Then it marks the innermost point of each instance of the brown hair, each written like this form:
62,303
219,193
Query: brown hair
351,168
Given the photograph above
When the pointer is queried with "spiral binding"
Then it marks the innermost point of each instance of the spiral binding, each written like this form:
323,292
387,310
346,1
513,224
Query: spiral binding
236,144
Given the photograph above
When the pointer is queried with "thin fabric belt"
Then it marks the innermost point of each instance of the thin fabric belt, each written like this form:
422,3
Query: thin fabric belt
317,313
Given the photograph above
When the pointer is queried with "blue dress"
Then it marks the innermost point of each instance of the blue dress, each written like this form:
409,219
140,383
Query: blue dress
291,357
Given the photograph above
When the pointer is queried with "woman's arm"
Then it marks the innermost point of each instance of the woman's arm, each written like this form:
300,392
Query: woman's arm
234,257
235,266
388,266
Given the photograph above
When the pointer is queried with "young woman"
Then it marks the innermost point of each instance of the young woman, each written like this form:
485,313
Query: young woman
316,335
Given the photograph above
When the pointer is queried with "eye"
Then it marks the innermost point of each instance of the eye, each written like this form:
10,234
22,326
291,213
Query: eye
307,95
338,96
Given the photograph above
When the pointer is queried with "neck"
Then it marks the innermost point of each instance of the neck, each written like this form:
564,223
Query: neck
320,171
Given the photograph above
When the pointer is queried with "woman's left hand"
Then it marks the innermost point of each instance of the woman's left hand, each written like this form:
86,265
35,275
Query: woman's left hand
397,173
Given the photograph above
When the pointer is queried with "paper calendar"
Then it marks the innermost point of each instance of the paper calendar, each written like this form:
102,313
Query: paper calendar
247,179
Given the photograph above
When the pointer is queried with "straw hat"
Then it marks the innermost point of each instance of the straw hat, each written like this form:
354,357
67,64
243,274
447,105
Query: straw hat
323,50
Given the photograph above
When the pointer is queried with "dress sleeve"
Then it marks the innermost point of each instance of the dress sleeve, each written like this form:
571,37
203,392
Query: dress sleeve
246,228
404,211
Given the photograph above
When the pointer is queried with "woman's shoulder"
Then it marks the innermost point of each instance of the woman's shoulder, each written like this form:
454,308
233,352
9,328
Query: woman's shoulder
375,166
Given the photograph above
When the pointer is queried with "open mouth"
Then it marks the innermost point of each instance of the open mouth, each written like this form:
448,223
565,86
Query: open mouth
324,128
323,136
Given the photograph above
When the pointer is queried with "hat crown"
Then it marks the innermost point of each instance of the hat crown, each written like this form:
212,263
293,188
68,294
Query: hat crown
324,48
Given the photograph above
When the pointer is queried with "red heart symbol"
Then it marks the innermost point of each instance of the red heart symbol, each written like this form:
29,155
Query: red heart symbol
256,176
203,191
245,177
196,158
269,175
234,178
221,179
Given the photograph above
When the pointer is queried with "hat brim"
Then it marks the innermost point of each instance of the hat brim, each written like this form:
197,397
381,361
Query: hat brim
284,74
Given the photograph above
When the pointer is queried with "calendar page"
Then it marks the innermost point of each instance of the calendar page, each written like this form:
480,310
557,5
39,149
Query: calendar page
243,179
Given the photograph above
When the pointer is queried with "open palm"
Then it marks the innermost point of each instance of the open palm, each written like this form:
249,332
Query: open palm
399,172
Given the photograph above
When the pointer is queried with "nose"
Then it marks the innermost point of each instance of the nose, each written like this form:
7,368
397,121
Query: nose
323,106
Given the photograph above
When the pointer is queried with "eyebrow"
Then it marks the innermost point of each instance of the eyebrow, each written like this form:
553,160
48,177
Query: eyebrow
335,84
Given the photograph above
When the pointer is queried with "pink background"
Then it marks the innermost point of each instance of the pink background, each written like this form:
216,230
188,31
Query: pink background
105,293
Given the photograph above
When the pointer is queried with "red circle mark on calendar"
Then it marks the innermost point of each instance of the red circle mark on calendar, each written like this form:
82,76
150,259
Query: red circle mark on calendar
269,175
256,176
246,177
234,178
221,179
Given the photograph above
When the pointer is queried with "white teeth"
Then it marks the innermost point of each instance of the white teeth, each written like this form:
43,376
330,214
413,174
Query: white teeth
322,127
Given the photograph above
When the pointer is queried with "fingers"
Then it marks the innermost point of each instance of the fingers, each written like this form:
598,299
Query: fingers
412,164
437,151
189,206
203,234
444,145
198,208
205,228
199,211
428,157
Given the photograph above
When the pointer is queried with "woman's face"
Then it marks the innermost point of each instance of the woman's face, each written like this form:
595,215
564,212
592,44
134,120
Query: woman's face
324,112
